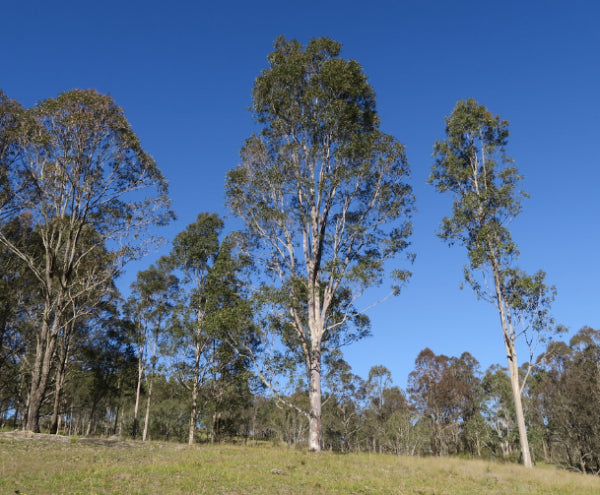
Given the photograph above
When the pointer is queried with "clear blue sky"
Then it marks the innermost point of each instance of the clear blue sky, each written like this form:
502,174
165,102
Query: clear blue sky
183,72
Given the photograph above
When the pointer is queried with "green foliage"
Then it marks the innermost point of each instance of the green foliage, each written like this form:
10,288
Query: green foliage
321,179
565,394
472,164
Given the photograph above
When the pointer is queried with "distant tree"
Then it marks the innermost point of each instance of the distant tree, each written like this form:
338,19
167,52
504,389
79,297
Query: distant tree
447,393
567,390
385,414
323,192
499,411
79,170
341,405
471,163
149,307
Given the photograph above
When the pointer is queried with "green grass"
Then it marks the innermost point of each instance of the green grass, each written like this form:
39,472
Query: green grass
37,467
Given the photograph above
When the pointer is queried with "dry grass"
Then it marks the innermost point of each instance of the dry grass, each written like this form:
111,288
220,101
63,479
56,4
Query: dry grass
50,467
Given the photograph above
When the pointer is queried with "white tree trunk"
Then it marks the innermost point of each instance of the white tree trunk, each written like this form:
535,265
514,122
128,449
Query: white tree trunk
516,390
314,432
513,367
138,392
147,417
194,411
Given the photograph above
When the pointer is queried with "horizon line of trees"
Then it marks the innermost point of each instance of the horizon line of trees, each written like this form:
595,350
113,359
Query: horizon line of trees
449,407
238,336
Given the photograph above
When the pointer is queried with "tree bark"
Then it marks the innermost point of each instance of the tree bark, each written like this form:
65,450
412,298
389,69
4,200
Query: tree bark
513,367
138,392
314,433
194,411
147,417
45,350
59,381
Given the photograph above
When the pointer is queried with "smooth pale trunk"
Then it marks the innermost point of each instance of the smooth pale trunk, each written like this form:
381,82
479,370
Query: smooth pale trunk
195,385
147,417
314,433
194,411
136,409
513,369
516,390
150,382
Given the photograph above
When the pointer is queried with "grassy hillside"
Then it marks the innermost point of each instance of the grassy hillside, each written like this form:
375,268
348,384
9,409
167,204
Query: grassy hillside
38,466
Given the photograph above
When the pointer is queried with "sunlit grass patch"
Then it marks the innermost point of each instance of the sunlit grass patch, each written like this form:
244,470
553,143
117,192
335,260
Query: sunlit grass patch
42,467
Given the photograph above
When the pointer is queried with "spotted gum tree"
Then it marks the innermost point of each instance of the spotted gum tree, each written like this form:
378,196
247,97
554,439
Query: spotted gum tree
323,193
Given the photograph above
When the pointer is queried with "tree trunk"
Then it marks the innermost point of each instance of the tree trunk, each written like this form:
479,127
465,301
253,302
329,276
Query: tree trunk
513,367
193,413
45,350
148,403
136,410
314,433
59,379
516,390
56,407
59,382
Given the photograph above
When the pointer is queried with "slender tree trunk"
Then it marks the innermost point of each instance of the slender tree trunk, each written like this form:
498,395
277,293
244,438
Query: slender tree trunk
148,403
60,375
59,382
117,408
513,367
516,390
314,395
212,428
136,409
194,411
55,408
88,429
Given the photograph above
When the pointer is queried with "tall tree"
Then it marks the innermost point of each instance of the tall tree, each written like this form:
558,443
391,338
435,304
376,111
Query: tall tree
323,192
79,170
213,310
472,164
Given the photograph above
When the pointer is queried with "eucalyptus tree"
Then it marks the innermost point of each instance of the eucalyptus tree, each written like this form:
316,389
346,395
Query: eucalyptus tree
472,164
567,393
213,310
149,307
323,192
74,164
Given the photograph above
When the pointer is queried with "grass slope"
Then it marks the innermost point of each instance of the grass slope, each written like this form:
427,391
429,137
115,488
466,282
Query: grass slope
37,467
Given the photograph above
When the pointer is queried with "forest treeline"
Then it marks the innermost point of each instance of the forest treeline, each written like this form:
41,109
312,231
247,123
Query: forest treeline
237,335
